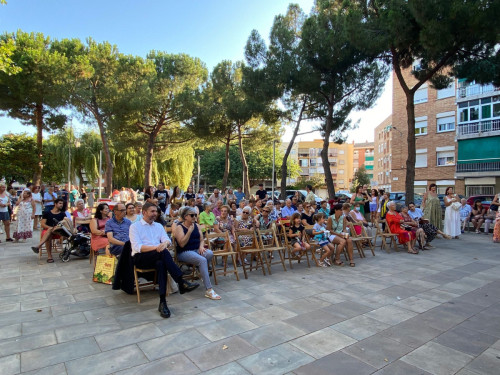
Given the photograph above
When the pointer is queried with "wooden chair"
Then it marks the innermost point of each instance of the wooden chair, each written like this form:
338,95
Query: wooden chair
254,250
138,286
194,274
269,242
384,234
226,252
314,245
357,239
289,254
56,245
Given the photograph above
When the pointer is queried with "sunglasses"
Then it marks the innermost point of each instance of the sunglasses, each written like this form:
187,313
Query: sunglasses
266,210
246,212
192,215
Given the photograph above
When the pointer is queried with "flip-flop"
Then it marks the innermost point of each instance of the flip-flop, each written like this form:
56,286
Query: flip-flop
50,260
352,264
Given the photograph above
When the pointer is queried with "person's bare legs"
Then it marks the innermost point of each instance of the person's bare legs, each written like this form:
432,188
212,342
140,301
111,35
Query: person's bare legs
340,242
6,225
46,237
328,249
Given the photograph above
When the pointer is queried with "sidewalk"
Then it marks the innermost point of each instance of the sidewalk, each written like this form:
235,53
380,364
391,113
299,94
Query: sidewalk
433,313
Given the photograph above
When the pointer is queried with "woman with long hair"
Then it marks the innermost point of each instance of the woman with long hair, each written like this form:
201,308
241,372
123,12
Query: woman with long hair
98,238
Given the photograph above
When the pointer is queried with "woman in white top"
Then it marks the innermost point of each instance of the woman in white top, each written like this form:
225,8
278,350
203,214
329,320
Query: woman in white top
4,211
37,198
452,214
201,195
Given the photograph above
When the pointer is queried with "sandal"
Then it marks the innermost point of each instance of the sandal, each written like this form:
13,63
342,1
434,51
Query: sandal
212,295
50,260
352,264
35,249
339,263
412,252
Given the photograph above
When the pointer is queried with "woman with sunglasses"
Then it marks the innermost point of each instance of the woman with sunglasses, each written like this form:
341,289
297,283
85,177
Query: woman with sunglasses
190,247
307,215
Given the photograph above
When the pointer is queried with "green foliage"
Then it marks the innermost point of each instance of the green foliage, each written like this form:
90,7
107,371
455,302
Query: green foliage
7,66
18,161
260,164
360,178
315,182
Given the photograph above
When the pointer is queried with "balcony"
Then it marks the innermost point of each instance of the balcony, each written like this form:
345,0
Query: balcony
486,128
479,169
474,90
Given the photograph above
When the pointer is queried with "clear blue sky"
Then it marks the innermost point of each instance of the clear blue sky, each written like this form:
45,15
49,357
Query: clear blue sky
213,30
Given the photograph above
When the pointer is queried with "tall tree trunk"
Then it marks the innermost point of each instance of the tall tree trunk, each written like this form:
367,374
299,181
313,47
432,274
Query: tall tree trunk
244,165
324,153
148,166
108,174
410,140
37,176
227,164
80,177
284,168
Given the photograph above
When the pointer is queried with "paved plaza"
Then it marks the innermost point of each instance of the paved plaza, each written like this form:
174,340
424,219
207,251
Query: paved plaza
433,313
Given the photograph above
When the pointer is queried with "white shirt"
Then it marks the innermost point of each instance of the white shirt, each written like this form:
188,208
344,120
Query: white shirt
141,233
123,195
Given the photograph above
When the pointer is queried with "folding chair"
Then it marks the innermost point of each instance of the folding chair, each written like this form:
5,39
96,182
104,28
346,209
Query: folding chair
269,242
314,245
138,286
224,253
194,274
386,234
254,250
289,248
357,239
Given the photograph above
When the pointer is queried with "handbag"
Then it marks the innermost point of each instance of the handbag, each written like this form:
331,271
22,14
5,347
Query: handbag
104,270
456,206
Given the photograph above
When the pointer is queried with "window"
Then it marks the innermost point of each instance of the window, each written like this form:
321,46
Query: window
340,182
303,162
420,127
342,162
341,152
480,190
447,92
341,171
421,160
445,124
445,158
420,96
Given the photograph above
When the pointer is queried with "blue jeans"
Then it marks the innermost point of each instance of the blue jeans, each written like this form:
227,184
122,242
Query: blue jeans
194,258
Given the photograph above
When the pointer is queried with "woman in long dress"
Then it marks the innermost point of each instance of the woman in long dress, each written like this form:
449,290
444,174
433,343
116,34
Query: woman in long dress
432,207
25,214
37,198
395,220
451,214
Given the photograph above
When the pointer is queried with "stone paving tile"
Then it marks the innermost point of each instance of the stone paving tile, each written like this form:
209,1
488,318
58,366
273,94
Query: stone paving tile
173,365
59,369
78,331
269,315
53,323
70,308
239,308
171,344
360,327
437,359
276,360
348,309
400,368
179,323
338,363
391,315
465,340
487,363
314,320
113,340
221,329
6,332
233,368
11,364
271,335
306,305
437,295
377,350
24,316
219,353
416,304
51,355
323,342
411,333
25,343
107,362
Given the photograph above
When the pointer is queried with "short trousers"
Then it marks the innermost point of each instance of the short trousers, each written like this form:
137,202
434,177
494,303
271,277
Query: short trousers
4,216
373,207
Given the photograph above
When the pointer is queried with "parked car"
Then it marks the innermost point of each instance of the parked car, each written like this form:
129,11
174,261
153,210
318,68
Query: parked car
302,194
343,197
485,200
276,195
399,197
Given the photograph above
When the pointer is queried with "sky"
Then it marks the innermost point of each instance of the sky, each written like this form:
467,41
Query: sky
213,30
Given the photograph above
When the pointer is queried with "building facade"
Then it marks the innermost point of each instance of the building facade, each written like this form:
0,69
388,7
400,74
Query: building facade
363,155
478,137
435,130
382,174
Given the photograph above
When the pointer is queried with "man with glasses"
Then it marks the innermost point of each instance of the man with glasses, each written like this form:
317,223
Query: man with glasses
149,250
117,229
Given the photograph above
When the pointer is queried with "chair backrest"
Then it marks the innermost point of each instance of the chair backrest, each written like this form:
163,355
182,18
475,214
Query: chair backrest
282,235
211,236
246,232
270,235
387,229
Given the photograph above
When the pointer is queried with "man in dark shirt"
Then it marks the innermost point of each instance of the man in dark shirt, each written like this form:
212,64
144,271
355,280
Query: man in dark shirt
261,193
162,196
117,230
50,219
198,203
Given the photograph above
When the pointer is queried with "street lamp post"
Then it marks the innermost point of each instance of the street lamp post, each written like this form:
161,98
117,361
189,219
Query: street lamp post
274,163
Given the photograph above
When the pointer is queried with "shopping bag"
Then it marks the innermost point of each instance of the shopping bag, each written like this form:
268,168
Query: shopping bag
104,271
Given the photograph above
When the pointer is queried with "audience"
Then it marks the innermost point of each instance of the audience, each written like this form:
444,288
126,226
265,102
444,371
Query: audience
117,229
98,238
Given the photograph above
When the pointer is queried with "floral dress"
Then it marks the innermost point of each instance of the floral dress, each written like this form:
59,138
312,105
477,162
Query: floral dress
245,224
24,222
227,226
496,229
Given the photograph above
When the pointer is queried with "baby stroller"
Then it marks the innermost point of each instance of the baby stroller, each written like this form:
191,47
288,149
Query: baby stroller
77,244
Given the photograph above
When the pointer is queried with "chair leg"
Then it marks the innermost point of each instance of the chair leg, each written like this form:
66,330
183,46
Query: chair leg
244,268
214,270
137,287
282,256
235,267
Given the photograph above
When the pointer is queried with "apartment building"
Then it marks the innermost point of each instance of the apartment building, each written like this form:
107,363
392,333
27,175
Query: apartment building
435,128
363,155
294,152
478,137
382,174
340,158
